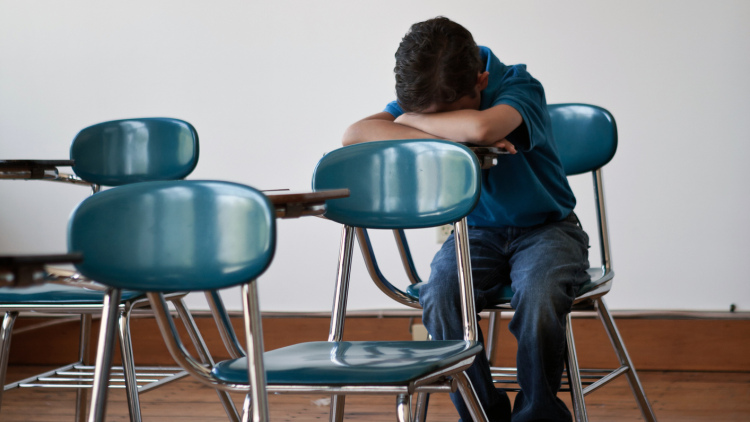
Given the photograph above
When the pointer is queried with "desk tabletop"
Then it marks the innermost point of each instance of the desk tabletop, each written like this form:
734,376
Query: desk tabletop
32,169
284,196
298,204
27,270
32,163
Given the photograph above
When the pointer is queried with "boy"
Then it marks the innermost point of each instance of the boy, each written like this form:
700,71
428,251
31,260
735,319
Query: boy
523,232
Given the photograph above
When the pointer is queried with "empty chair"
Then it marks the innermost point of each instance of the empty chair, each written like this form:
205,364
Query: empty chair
107,154
176,236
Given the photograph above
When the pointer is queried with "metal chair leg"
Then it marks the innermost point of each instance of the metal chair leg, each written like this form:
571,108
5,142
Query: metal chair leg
420,413
84,346
337,408
494,327
5,334
574,375
224,324
192,330
205,355
128,365
247,407
338,313
624,358
254,339
104,348
403,408
470,397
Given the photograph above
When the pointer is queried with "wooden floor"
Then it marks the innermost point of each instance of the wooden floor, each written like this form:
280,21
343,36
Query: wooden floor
675,396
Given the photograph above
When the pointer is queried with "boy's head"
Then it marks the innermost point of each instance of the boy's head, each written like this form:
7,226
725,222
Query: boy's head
438,65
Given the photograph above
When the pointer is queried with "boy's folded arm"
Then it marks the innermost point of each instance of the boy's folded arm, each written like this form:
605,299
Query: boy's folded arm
485,127
380,127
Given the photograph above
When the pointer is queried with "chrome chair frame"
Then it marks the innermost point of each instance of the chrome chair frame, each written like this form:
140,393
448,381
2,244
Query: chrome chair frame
458,379
590,301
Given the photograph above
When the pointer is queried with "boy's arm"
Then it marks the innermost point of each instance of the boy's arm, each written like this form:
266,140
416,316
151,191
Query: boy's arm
485,127
381,127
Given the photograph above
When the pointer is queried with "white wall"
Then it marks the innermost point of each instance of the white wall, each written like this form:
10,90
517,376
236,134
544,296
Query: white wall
270,87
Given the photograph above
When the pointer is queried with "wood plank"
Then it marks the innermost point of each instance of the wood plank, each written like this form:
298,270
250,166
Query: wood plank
675,396
655,344
678,344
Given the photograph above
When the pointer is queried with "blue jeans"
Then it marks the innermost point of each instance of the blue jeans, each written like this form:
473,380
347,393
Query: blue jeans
544,266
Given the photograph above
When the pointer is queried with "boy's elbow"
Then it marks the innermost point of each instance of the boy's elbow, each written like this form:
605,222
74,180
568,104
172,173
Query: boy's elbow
350,135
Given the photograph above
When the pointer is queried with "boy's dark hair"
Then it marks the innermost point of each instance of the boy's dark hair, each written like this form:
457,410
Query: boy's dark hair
437,62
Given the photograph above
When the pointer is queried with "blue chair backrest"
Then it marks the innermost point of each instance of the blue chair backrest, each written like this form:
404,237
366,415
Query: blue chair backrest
174,235
135,150
400,184
586,136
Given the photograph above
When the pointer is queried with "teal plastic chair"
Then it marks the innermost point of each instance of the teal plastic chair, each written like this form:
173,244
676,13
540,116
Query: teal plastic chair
586,137
175,236
107,154
393,185
121,152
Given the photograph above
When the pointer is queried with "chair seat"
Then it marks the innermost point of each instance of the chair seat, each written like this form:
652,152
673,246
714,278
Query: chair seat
352,363
56,294
598,276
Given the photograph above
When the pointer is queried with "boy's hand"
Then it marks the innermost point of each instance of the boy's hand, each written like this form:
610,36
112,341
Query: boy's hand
505,145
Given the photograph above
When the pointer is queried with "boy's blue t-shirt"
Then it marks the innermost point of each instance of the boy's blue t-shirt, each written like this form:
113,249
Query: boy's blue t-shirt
530,187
